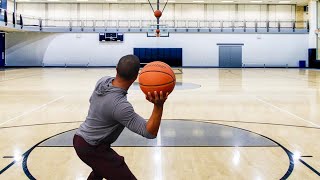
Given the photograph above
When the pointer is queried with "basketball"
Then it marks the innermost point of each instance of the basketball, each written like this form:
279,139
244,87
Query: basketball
157,13
157,76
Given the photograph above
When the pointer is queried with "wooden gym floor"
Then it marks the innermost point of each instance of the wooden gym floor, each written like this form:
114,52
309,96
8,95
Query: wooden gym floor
218,124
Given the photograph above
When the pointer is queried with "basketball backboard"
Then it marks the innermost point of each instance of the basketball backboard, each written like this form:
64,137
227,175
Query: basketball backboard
164,32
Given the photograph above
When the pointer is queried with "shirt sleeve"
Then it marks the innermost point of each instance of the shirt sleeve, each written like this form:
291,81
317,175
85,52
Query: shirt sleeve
124,114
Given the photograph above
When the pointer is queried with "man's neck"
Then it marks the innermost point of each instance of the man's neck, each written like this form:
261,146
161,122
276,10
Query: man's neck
118,82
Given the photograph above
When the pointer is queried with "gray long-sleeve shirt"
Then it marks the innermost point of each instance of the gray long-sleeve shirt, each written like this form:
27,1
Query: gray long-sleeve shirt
109,113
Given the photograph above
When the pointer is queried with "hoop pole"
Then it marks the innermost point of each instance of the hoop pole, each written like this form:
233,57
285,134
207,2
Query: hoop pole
158,4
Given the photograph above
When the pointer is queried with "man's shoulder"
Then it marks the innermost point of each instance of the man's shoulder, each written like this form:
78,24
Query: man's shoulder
104,78
123,102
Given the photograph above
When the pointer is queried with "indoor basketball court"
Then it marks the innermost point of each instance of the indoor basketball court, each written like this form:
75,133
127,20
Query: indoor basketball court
242,76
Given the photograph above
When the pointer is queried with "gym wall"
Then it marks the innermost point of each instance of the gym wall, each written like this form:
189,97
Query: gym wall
200,50
88,11
10,6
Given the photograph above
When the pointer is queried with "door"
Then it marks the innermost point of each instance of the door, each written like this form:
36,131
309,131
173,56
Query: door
230,56
2,50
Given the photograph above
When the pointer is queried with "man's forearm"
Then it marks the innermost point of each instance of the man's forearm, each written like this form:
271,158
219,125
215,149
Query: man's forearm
155,119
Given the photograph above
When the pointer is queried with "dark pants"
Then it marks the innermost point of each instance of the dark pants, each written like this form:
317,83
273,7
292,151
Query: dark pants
103,160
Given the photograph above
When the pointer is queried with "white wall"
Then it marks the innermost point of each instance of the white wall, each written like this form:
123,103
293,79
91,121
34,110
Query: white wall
27,49
172,11
36,10
313,23
198,49
10,6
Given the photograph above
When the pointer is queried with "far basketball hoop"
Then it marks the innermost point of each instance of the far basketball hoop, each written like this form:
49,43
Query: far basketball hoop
158,30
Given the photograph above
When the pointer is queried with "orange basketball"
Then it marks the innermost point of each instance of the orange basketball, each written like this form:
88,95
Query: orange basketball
157,76
157,13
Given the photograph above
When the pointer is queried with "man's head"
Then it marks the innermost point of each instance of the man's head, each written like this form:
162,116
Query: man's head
128,67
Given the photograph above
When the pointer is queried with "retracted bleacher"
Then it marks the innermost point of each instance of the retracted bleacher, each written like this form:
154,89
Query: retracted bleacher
171,56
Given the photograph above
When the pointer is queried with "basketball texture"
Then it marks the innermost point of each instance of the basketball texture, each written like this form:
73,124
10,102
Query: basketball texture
157,76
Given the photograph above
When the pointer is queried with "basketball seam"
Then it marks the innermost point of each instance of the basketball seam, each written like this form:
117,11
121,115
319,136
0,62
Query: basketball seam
157,84
159,71
165,65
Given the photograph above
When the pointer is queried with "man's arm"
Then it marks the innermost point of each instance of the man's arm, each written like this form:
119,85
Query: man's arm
124,113
154,121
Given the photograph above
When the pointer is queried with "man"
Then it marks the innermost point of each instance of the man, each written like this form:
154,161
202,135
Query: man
109,113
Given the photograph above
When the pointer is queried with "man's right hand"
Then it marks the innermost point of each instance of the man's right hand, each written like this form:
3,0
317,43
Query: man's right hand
154,122
158,100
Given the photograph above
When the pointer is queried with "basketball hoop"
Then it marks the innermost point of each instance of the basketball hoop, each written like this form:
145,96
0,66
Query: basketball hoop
158,13
158,30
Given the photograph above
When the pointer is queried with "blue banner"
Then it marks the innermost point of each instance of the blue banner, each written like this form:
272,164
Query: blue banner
3,6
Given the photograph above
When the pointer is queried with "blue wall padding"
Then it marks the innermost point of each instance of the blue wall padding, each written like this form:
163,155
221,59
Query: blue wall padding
171,56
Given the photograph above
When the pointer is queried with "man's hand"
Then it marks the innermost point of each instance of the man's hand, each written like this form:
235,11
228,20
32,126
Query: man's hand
158,100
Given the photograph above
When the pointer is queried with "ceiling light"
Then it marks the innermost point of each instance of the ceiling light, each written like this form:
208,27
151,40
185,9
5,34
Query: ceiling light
198,1
227,1
256,1
82,0
53,0
284,2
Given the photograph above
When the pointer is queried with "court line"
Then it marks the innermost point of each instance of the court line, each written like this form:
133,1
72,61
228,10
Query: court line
263,123
310,167
27,153
7,167
288,112
32,110
289,153
19,77
43,124
15,95
285,176
161,146
8,157
286,77
277,75
200,120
